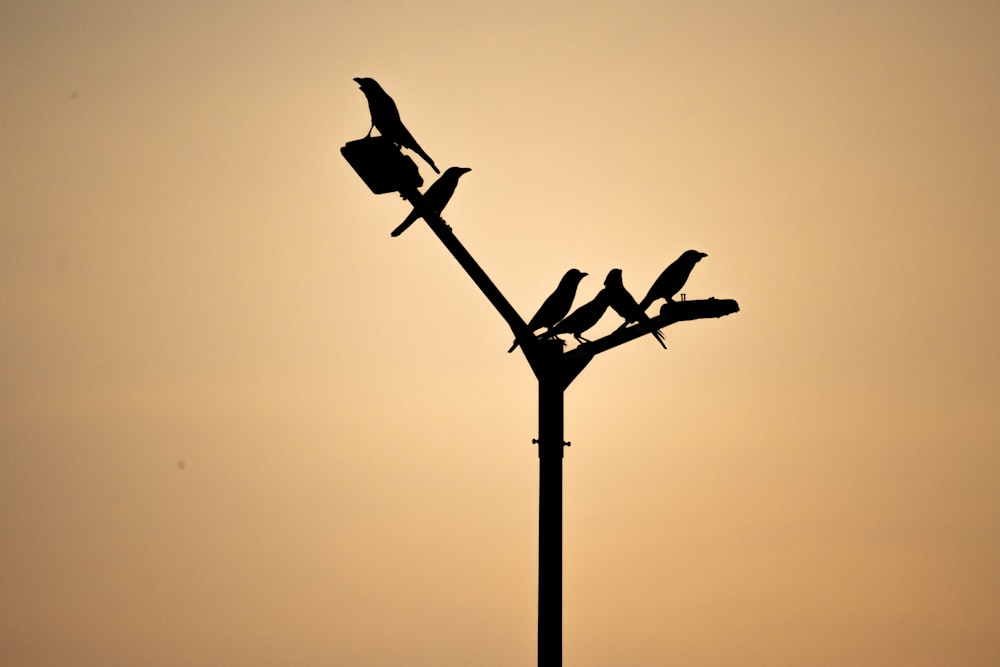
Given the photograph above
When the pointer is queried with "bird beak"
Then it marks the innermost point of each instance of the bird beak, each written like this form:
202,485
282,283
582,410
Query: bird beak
358,80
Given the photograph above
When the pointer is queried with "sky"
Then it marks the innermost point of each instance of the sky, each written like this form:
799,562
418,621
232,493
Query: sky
241,425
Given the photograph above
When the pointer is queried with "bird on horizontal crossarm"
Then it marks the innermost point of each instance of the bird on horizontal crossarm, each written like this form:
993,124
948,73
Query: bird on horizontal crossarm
624,304
435,199
583,318
672,279
385,118
555,307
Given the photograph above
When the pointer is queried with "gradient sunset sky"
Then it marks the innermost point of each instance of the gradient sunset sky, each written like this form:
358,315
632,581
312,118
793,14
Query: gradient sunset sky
241,425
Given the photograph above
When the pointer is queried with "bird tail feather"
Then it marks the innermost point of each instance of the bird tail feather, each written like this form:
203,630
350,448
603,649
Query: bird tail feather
427,158
657,334
402,227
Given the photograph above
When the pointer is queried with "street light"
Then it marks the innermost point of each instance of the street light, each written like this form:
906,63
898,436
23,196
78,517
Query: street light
383,167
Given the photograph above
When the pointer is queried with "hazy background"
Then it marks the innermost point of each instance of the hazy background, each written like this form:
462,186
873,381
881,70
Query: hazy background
241,425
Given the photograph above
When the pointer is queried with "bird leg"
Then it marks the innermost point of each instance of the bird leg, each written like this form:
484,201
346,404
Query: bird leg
548,334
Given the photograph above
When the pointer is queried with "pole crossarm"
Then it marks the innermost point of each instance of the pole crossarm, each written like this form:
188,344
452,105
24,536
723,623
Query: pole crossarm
531,346
462,256
576,359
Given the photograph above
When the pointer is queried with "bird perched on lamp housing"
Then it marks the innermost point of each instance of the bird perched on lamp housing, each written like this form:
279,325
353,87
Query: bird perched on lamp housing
385,118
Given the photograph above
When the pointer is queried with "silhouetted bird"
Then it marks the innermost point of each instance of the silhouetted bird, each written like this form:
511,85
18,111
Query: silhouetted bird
672,279
624,304
385,117
555,307
582,318
435,199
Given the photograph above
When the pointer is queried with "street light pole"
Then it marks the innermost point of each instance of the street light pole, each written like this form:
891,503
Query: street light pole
381,165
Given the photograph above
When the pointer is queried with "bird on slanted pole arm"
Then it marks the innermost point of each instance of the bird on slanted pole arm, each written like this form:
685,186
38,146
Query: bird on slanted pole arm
435,199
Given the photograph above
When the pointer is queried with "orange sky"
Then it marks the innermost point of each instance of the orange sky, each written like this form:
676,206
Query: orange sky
242,425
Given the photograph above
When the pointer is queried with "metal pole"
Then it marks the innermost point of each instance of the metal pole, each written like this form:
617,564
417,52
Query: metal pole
383,168
550,455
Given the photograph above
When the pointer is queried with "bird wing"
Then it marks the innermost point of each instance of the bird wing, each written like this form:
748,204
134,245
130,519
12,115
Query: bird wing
653,292
583,317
